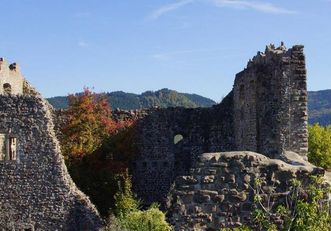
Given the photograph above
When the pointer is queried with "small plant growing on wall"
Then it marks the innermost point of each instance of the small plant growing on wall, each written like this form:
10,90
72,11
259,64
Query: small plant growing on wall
304,208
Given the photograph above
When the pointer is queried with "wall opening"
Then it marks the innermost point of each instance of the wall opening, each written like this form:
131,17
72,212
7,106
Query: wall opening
178,138
8,147
3,148
7,89
26,227
12,148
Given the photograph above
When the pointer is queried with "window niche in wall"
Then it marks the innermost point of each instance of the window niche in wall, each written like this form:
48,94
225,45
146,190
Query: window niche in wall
178,138
8,147
7,89
27,227
2,147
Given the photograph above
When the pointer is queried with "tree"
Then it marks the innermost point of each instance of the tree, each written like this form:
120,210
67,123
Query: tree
319,152
97,148
89,122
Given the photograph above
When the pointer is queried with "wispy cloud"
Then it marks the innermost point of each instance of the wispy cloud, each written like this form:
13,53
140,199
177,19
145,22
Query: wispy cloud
83,44
258,5
265,7
165,9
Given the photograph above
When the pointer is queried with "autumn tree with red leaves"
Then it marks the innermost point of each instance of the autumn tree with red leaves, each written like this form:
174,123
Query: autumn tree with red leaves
97,148
89,123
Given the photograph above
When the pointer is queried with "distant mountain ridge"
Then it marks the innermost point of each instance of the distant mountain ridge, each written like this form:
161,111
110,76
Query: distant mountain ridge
129,101
319,102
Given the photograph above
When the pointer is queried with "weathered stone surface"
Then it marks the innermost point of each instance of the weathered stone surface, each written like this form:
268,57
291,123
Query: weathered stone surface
11,77
265,112
270,103
36,191
229,206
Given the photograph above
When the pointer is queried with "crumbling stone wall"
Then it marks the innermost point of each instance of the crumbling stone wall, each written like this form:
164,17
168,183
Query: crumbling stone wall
10,78
160,159
270,103
36,191
266,112
218,192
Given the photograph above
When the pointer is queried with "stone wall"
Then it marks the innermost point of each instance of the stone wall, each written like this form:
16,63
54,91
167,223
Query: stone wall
218,192
36,191
266,112
10,75
270,103
161,158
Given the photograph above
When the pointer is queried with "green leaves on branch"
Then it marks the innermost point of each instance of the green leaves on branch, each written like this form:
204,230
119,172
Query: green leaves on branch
306,208
319,152
130,217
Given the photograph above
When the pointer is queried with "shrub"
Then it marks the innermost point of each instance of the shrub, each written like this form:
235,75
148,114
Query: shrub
128,215
151,219
319,152
307,208
125,203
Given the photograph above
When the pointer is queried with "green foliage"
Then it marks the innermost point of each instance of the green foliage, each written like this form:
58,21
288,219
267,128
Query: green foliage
306,208
319,152
151,219
162,98
313,213
130,218
125,203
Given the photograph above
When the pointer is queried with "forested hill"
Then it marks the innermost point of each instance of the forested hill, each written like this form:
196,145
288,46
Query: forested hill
161,98
320,107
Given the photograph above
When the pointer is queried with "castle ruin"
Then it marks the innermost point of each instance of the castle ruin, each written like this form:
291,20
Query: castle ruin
266,112
36,191
198,163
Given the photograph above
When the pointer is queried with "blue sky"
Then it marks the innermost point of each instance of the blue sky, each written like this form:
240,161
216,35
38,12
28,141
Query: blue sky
192,46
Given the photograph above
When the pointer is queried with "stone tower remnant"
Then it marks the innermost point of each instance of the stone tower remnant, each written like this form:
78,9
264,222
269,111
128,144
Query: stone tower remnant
270,103
36,191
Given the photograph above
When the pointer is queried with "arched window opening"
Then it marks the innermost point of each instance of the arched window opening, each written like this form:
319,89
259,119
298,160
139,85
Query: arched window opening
178,138
7,89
